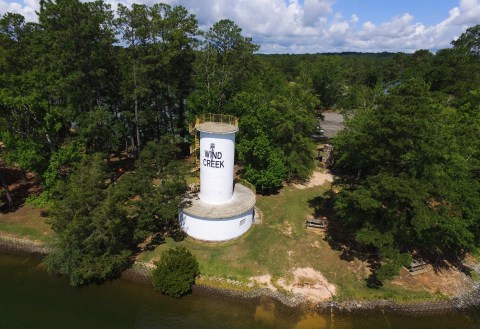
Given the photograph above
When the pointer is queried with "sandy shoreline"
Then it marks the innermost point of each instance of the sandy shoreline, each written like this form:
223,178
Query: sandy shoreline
140,273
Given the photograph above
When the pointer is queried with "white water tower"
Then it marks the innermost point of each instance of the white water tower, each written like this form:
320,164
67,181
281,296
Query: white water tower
217,151
222,210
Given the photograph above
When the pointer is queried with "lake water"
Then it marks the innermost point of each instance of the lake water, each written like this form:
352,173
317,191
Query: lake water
30,297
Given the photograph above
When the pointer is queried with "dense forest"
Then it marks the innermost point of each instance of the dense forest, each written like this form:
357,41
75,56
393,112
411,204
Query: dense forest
85,85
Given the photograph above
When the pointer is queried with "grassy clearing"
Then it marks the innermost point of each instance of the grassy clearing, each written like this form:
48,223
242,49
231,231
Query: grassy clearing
275,247
25,222
282,243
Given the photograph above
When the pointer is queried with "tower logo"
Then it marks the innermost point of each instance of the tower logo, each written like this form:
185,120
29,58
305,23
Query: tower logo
212,159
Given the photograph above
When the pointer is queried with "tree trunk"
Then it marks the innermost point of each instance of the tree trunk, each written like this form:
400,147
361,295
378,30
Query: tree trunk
24,176
7,192
137,121
137,125
132,140
181,115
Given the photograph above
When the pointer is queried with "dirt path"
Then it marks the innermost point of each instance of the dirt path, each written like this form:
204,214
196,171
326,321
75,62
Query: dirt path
317,179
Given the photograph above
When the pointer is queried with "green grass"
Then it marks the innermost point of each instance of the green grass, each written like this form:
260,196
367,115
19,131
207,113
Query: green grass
25,222
282,243
475,276
22,231
275,247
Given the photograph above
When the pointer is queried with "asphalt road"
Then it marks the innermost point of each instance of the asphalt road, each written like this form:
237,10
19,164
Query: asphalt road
331,124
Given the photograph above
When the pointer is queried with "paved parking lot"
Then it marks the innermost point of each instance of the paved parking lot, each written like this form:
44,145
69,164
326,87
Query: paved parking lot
331,124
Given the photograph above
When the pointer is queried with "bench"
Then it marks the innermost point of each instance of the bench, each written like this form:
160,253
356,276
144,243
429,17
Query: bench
316,223
417,266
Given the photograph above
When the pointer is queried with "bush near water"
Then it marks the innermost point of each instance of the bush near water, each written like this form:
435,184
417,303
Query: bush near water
175,273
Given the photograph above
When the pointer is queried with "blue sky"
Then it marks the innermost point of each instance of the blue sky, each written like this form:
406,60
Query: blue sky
310,26
426,11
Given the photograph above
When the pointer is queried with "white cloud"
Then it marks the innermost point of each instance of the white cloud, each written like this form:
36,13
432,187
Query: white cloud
27,9
339,28
368,27
469,13
354,19
313,10
312,25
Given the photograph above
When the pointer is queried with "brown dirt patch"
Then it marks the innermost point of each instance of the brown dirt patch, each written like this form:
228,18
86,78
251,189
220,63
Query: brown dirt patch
309,283
264,281
287,229
317,179
448,281
19,188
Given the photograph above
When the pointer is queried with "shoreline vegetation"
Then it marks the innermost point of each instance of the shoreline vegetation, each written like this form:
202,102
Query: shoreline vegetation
141,273
281,257
287,230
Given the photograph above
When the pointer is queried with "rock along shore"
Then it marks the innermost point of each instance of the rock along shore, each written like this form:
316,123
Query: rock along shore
141,273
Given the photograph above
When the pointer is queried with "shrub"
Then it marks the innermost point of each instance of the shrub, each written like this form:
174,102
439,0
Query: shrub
175,272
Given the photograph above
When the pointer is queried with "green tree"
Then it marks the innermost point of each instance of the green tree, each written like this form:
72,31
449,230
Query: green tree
158,65
419,64
133,24
99,222
61,164
469,41
176,32
456,71
276,123
160,179
78,55
404,181
57,73
176,271
326,77
453,74
25,132
264,165
222,67
93,234
359,97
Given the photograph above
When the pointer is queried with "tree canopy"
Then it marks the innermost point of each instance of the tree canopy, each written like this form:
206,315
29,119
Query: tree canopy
99,222
406,182
94,237
277,121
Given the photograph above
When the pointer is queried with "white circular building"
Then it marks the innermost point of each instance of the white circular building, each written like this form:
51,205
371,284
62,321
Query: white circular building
222,210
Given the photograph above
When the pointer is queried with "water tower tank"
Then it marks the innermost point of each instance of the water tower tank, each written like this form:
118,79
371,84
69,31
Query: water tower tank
222,210
217,151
